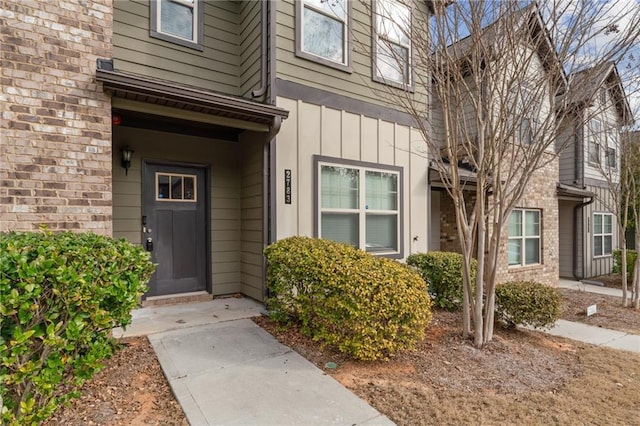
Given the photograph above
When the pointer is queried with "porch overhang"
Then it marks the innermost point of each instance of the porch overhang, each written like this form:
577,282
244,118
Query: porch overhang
138,92
572,193
466,177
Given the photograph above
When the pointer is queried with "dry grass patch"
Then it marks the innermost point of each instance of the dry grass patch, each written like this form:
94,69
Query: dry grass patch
610,312
522,377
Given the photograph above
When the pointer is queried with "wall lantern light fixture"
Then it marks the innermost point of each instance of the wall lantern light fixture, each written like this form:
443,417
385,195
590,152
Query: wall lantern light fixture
127,153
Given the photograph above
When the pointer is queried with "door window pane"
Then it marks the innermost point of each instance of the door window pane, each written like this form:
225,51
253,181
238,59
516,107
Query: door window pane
176,187
189,188
340,227
163,186
381,233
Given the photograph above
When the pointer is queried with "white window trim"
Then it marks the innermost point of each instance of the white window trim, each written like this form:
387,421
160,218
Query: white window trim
362,211
198,26
346,22
602,234
377,76
523,239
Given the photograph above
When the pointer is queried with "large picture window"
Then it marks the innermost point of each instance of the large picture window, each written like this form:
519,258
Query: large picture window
322,32
523,247
359,204
602,234
178,21
392,43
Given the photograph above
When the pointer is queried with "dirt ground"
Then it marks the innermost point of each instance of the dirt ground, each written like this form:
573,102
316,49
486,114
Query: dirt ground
609,311
522,377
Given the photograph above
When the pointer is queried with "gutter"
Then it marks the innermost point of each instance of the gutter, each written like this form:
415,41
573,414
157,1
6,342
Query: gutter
268,156
263,51
577,209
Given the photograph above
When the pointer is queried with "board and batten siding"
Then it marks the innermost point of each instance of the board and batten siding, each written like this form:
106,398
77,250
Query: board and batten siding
595,266
228,63
358,84
318,130
232,198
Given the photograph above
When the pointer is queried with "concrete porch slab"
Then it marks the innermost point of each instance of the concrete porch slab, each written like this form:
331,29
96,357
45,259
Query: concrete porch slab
155,319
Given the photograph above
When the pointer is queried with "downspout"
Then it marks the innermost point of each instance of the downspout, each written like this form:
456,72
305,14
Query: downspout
273,131
576,210
263,51
268,155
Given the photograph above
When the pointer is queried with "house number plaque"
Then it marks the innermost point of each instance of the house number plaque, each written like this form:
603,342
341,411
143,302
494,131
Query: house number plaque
287,186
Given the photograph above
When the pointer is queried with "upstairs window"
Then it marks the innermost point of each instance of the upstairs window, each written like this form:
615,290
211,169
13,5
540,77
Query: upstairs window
523,247
178,21
392,26
322,32
522,123
360,205
602,234
611,154
611,158
594,135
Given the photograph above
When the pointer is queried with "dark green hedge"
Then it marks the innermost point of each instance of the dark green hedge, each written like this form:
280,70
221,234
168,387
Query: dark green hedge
631,261
60,296
528,303
443,272
367,306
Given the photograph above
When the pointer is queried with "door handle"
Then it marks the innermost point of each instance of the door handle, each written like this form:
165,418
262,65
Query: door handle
149,244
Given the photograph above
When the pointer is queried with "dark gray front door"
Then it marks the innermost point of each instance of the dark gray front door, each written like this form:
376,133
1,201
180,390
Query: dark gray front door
174,227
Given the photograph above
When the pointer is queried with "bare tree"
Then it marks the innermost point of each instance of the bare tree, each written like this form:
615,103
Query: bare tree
494,73
631,196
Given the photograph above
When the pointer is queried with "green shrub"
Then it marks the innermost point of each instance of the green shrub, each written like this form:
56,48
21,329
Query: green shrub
617,262
60,296
528,303
443,272
369,307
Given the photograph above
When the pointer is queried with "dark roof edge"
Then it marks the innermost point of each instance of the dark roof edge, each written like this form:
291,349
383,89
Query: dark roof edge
572,191
153,87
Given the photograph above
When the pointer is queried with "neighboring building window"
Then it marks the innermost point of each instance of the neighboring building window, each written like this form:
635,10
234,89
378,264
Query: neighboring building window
602,234
178,21
611,158
359,204
603,96
323,31
523,102
611,153
595,133
523,247
392,43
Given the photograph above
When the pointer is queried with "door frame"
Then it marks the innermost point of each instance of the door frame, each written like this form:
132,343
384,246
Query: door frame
207,206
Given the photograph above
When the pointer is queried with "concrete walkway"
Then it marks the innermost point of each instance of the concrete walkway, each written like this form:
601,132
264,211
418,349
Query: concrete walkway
591,334
226,370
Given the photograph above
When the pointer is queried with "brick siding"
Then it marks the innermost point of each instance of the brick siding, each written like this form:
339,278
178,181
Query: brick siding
540,194
55,156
